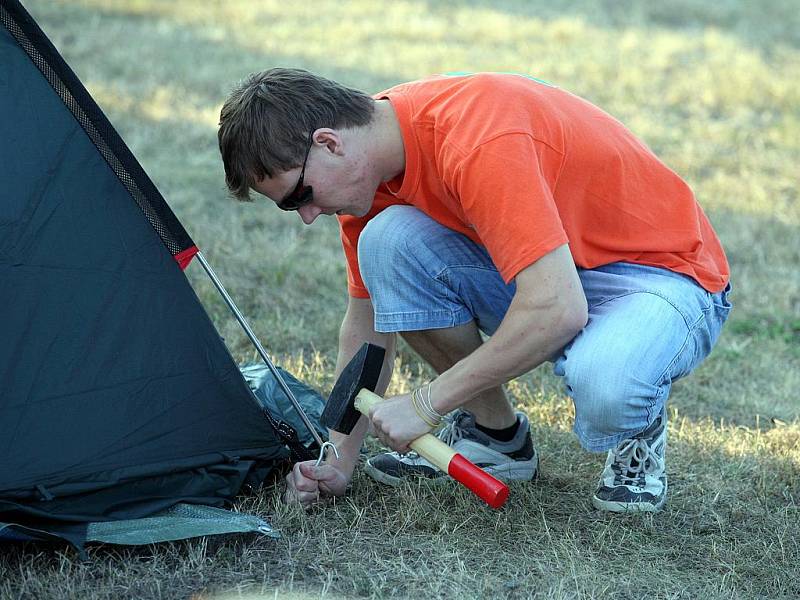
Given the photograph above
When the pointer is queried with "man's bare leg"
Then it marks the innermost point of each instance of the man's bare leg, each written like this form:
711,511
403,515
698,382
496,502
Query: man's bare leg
442,348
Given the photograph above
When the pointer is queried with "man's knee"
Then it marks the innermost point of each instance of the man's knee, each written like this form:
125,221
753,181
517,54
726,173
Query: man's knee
610,394
600,408
384,241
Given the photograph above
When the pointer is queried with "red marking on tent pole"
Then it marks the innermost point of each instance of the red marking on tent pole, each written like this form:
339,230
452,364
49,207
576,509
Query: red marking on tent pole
185,257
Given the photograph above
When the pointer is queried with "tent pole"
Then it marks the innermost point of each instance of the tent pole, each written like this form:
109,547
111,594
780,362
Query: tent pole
239,317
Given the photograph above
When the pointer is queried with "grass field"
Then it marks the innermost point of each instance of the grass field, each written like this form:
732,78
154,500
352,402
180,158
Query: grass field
713,88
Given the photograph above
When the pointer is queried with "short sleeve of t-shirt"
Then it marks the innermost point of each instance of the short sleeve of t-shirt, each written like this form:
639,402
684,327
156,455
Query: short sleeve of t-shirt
506,199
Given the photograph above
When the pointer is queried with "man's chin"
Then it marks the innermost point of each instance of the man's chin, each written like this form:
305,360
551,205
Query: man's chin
360,212
352,212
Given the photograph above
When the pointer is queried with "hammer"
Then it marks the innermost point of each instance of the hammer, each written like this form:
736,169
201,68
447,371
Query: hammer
352,394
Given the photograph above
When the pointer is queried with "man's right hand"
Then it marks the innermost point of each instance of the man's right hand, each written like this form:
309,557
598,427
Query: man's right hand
308,483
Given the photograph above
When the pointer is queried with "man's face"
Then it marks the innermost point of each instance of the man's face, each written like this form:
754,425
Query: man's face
337,180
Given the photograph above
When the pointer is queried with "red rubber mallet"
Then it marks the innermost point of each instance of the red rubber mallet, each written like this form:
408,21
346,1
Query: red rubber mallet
352,396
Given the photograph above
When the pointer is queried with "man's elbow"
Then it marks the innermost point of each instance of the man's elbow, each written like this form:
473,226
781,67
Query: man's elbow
575,317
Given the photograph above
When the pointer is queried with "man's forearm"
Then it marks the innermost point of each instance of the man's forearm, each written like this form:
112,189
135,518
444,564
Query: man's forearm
357,328
520,344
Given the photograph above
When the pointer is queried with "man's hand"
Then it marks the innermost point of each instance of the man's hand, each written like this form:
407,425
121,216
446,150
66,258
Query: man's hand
308,483
396,422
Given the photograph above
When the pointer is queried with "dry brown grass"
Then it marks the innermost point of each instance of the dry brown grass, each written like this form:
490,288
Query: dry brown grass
712,87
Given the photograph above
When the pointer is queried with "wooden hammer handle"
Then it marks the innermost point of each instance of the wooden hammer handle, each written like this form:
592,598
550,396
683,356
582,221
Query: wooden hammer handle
491,490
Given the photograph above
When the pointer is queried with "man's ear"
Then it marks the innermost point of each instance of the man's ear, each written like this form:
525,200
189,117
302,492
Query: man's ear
330,138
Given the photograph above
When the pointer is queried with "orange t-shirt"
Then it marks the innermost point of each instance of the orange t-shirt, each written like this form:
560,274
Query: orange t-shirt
522,167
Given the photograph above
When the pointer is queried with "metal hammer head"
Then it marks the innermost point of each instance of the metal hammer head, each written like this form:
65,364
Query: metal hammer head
361,372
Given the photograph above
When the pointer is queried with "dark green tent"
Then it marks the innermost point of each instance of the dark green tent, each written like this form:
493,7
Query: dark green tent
118,399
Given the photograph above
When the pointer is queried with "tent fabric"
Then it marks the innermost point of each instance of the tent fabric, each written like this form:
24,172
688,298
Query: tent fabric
183,520
63,81
74,533
118,398
176,523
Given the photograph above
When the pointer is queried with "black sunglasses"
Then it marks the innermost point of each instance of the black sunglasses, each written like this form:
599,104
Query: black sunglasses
301,194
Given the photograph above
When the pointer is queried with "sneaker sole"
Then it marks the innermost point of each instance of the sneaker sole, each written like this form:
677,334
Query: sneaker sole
628,507
514,472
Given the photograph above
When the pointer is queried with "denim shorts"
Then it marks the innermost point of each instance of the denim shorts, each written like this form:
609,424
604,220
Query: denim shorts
647,326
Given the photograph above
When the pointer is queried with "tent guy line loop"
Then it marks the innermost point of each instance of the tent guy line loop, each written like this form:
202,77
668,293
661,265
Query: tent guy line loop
281,382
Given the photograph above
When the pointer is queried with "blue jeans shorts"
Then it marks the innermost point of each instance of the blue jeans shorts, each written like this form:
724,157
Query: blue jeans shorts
647,326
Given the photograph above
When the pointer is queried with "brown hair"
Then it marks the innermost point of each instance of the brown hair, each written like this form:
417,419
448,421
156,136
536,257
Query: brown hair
265,122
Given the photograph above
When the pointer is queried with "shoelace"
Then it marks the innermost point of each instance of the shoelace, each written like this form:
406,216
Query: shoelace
636,451
450,433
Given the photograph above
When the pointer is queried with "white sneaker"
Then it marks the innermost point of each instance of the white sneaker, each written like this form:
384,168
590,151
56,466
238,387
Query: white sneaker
635,478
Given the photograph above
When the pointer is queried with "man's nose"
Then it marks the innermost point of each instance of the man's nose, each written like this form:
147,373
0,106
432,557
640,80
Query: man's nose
309,213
